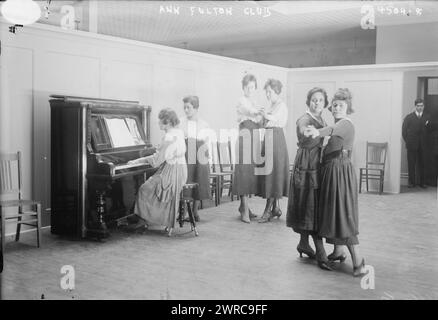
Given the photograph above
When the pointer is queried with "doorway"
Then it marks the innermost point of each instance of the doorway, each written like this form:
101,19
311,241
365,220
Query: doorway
428,87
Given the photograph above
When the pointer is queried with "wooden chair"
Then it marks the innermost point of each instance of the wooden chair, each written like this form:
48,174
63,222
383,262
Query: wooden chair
10,183
375,165
226,165
222,170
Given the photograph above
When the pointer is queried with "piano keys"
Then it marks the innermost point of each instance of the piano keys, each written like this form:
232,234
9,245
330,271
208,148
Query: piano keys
92,141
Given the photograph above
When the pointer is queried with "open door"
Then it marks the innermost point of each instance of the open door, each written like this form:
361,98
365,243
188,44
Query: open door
431,152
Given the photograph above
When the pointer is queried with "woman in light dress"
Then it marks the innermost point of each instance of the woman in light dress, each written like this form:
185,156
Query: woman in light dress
158,198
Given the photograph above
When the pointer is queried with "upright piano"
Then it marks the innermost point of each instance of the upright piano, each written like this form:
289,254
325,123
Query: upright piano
92,141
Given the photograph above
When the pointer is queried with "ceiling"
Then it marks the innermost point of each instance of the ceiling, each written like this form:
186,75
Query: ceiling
235,24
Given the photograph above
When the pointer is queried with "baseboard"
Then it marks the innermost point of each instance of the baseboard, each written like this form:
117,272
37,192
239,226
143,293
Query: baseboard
24,231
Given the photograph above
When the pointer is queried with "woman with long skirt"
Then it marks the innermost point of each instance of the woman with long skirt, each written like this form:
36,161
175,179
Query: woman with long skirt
303,199
158,198
274,182
196,132
248,117
338,216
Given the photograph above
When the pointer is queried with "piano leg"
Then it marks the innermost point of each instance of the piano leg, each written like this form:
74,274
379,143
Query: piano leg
98,229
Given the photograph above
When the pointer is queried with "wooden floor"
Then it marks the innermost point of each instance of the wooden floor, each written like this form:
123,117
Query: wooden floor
233,260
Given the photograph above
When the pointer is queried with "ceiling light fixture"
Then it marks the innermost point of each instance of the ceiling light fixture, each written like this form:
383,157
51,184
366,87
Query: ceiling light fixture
21,12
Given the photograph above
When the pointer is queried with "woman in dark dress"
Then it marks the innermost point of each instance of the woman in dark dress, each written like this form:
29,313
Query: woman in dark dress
196,136
248,117
274,183
303,199
338,219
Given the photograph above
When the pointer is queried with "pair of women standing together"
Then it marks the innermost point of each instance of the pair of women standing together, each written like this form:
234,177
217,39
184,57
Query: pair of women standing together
323,190
262,165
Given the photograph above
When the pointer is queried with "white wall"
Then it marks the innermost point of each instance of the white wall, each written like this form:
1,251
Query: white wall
41,60
377,100
352,48
407,43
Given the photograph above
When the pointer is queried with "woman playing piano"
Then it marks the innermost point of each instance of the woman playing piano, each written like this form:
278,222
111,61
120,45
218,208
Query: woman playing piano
158,198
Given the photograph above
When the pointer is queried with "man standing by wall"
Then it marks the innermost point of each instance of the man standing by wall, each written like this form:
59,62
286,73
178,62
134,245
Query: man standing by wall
413,132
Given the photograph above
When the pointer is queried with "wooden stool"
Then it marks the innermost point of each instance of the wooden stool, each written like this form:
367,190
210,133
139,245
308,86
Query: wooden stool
187,202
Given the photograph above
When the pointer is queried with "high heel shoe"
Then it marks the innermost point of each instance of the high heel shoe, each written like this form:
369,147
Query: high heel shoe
266,217
324,265
334,258
359,270
276,213
323,261
307,251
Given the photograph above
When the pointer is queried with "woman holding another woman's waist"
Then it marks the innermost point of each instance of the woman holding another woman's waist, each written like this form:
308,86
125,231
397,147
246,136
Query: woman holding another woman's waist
338,217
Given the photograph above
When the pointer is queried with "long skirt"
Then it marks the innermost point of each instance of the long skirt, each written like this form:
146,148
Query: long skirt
338,208
244,178
158,198
274,182
198,170
302,207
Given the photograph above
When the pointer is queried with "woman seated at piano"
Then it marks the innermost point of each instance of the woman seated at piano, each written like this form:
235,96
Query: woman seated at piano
158,198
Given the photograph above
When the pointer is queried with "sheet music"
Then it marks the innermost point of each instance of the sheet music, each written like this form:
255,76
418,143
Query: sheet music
119,132
132,125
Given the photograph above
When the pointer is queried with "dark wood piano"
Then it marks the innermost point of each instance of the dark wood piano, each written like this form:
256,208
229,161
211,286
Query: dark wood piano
91,142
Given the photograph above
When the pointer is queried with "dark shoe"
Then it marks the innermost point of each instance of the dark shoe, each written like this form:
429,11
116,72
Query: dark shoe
410,186
341,257
276,213
266,217
359,270
324,265
423,186
307,251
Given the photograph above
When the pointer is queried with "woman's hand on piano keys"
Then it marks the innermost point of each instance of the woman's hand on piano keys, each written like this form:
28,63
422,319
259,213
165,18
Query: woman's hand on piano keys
132,161
144,160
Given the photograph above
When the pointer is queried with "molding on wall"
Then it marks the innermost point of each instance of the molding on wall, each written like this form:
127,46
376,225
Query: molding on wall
367,67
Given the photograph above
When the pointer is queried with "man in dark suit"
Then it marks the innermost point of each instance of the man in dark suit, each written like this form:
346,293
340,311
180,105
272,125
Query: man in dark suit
413,132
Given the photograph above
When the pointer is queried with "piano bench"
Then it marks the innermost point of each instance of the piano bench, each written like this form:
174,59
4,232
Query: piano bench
186,203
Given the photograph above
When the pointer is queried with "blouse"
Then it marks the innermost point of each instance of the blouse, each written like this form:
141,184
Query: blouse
246,110
277,115
302,123
342,132
171,150
198,129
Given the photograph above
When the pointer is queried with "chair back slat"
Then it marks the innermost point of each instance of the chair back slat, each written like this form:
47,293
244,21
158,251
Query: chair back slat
10,175
214,157
376,155
224,156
